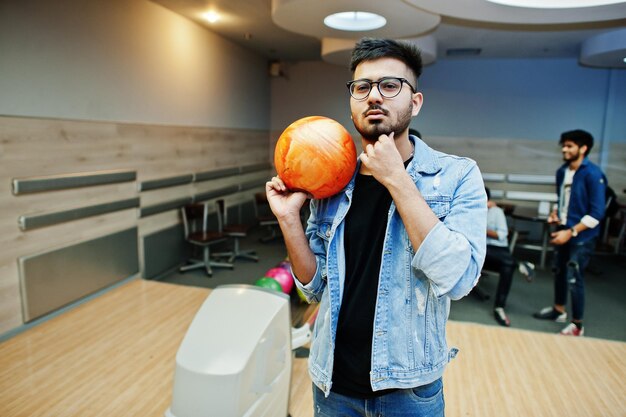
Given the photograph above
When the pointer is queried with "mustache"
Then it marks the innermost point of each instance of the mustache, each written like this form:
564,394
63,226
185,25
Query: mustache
375,107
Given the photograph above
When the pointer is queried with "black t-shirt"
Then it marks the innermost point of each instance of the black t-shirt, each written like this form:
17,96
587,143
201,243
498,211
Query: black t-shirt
365,228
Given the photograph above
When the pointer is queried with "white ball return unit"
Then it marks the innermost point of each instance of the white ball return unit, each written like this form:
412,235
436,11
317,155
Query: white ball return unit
236,357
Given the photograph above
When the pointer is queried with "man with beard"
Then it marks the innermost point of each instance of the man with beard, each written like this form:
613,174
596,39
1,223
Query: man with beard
387,254
581,188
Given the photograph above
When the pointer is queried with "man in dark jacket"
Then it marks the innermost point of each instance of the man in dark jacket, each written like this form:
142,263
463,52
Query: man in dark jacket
581,187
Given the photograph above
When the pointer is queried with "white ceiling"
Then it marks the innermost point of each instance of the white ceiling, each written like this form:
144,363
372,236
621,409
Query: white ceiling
249,23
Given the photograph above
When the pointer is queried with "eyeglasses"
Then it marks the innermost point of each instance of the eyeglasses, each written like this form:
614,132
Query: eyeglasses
389,87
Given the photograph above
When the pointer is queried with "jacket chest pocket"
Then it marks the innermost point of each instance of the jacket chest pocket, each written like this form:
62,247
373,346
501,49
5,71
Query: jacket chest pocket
324,230
324,233
439,204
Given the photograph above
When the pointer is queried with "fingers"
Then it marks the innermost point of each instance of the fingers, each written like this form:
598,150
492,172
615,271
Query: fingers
275,184
558,238
383,142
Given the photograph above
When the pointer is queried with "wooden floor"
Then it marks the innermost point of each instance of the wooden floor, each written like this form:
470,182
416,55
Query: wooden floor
114,356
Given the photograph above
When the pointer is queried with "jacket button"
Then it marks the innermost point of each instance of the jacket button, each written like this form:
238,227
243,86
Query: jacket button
328,233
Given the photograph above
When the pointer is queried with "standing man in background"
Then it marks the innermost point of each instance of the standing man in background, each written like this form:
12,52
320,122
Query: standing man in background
386,254
581,190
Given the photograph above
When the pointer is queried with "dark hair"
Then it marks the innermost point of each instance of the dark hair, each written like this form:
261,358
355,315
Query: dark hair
368,49
579,137
488,193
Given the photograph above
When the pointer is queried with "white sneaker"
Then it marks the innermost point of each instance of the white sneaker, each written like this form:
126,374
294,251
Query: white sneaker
549,313
527,269
501,317
572,330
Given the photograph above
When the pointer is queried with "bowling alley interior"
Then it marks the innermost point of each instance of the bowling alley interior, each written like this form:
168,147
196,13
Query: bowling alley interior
143,272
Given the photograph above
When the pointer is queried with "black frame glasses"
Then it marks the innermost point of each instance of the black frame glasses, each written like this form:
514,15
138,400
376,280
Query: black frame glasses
362,95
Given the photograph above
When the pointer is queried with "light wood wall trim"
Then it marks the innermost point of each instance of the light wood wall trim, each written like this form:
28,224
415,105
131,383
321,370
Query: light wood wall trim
164,206
531,179
227,172
70,180
29,222
531,196
215,174
251,184
493,177
219,192
166,182
199,197
253,168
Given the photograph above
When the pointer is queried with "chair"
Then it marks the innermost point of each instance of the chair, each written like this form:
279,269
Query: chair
614,230
195,222
265,217
236,231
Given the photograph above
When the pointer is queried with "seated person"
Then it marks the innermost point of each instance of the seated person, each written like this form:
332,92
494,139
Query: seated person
499,258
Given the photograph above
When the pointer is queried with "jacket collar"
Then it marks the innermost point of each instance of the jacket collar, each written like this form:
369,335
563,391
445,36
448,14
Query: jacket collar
425,159
584,163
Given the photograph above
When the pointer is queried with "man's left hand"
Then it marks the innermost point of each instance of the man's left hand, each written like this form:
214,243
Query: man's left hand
382,159
561,237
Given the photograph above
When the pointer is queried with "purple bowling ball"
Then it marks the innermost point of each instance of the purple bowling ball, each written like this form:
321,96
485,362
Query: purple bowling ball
283,277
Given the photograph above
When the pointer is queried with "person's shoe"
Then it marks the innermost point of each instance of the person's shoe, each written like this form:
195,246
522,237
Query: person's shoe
528,270
573,330
549,313
501,317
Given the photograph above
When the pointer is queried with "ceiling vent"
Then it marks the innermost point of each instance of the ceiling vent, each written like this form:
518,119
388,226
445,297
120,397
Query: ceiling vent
460,52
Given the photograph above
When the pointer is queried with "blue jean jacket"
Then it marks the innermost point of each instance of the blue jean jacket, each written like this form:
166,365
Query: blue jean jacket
415,288
587,197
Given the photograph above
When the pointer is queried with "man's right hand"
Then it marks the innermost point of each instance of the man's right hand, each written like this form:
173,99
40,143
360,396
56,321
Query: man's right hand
285,204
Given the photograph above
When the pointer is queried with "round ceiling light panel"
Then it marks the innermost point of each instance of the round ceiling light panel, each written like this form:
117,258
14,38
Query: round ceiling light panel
606,50
487,11
555,4
307,18
355,21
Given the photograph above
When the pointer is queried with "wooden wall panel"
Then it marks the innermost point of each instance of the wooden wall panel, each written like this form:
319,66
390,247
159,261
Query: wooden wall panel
529,157
509,156
35,147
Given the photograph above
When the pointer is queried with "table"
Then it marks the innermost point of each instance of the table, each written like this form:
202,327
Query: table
532,216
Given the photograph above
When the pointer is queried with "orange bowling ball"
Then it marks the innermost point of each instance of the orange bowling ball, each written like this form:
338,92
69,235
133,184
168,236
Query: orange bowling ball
316,155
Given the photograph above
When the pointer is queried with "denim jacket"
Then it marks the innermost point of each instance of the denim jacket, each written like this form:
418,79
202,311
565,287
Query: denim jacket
587,196
415,288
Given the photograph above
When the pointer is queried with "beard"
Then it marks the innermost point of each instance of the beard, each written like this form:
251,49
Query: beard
571,157
371,131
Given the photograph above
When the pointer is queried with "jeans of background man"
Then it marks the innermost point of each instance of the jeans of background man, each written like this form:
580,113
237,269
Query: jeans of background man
570,261
424,401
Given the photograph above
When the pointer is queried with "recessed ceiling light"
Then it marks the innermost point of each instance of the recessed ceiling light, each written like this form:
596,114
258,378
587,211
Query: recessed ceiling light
211,17
355,21
624,59
555,4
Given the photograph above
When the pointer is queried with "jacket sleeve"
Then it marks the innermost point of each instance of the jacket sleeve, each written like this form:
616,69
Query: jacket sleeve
453,252
596,190
313,290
